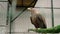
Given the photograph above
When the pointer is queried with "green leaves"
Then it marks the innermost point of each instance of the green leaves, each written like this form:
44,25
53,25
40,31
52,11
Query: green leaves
49,30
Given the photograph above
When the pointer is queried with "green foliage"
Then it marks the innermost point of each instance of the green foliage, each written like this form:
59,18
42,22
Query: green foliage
49,30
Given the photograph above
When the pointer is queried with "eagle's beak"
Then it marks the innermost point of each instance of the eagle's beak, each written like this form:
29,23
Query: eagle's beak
28,8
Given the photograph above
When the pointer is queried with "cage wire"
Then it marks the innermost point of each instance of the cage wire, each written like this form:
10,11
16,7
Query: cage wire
12,8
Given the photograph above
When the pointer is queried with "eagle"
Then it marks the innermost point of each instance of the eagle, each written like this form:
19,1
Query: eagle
37,19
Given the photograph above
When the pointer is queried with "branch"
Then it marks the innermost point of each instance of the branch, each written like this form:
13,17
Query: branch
48,30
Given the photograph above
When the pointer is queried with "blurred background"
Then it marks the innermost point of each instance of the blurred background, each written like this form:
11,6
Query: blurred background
23,23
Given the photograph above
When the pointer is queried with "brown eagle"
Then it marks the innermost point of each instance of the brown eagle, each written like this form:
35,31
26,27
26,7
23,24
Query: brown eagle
37,19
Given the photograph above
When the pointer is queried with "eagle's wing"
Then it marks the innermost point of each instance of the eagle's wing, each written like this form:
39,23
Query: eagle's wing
42,20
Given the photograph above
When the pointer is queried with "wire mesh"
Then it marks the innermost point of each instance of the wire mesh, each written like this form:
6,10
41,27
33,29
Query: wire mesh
22,23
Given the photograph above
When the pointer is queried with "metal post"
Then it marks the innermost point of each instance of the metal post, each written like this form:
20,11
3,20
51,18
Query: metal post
13,7
52,13
35,2
7,14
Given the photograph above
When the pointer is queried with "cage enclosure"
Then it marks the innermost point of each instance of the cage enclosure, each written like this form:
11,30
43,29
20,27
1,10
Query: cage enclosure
25,3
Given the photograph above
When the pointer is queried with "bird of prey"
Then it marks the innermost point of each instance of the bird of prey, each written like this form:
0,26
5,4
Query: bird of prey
37,19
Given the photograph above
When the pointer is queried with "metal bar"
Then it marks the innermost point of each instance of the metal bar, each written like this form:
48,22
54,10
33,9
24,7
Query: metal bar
35,2
42,7
10,21
21,12
52,13
10,1
7,14
3,25
47,7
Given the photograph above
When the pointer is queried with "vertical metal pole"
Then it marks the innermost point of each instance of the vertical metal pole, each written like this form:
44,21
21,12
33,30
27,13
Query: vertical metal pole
35,1
52,13
10,21
13,7
7,14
